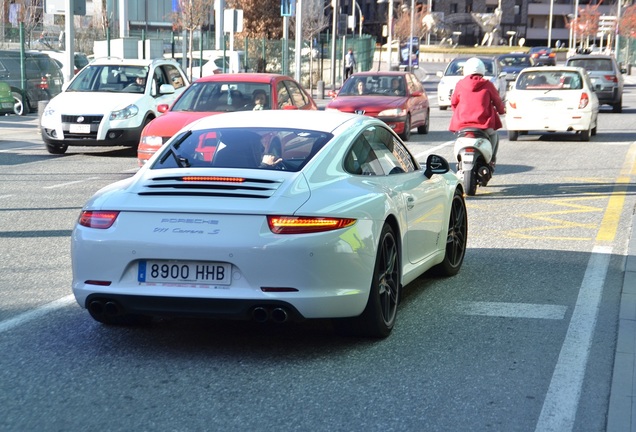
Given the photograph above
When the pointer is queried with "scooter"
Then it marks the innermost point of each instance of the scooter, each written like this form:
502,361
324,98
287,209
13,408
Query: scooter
473,151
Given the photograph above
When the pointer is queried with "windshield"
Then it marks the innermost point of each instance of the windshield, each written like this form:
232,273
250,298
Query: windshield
224,96
383,85
110,78
254,148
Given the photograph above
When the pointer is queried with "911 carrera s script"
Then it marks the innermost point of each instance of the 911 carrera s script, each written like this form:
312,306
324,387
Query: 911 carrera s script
184,272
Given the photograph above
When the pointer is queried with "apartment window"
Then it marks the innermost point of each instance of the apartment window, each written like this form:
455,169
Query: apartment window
453,8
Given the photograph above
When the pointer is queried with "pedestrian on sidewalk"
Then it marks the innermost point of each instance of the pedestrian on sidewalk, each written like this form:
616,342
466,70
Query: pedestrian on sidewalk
350,63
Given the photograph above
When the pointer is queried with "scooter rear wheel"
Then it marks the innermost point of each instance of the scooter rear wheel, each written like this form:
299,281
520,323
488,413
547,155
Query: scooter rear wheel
470,182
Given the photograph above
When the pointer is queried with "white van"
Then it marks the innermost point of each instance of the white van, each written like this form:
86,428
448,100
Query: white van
213,62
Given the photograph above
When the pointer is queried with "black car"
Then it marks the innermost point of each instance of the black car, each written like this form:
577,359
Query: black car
542,56
512,64
44,78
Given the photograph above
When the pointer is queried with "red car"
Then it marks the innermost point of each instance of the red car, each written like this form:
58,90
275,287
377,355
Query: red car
215,94
397,98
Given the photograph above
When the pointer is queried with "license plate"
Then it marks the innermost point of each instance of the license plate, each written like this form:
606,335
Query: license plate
79,128
184,272
468,157
7,105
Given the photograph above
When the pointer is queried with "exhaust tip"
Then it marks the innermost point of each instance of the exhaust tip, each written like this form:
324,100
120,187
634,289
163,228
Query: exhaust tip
96,307
260,314
279,315
111,308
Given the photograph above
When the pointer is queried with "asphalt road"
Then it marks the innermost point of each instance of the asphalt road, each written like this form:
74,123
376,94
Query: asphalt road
522,339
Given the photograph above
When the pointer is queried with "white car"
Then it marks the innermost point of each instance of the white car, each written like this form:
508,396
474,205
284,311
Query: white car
270,216
454,72
103,105
552,99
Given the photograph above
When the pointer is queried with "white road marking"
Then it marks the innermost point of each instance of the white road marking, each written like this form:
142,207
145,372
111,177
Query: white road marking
432,150
562,400
513,310
5,196
69,183
36,313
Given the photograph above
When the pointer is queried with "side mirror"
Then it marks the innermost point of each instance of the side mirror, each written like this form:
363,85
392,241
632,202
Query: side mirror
162,108
436,165
166,89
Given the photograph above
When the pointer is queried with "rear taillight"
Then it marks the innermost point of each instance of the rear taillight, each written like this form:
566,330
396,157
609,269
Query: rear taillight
98,219
585,99
44,83
306,225
612,78
512,104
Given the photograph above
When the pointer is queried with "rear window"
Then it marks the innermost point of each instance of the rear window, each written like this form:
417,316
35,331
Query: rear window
592,65
552,80
456,67
252,148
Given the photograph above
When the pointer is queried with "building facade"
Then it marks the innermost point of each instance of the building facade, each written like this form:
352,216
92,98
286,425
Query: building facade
538,22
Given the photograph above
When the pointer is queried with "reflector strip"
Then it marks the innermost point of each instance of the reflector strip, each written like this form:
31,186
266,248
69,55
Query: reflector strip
213,179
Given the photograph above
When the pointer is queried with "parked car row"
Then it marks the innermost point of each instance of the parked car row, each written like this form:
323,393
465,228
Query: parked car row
44,79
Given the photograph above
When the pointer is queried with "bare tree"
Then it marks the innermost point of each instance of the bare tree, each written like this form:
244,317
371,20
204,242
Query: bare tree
191,16
261,18
30,15
586,24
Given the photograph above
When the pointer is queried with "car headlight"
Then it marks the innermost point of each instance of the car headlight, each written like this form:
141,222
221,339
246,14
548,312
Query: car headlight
126,113
152,140
393,112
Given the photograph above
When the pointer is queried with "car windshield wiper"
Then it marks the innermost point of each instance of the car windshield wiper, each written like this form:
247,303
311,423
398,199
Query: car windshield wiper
172,151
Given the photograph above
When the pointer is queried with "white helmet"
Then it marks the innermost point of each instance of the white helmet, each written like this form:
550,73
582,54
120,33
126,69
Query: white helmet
474,66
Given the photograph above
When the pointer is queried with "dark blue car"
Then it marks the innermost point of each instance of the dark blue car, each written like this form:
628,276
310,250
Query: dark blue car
512,64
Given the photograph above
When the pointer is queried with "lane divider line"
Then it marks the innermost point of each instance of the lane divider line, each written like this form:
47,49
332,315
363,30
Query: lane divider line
36,313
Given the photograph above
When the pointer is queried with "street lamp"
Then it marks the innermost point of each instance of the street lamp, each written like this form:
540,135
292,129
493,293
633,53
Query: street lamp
390,30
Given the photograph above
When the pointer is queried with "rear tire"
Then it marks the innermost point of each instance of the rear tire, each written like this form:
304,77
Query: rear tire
585,135
618,107
470,182
378,318
456,239
513,135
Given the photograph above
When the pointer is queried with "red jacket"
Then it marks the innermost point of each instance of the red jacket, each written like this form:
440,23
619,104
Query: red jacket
475,104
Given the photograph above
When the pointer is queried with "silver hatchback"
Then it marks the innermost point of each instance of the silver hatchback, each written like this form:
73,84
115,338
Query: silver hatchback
606,77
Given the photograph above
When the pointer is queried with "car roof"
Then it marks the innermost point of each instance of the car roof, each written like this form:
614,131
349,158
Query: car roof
322,121
591,56
242,77
384,73
552,69
133,62
514,54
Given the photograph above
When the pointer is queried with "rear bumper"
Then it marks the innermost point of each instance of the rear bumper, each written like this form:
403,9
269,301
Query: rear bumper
549,123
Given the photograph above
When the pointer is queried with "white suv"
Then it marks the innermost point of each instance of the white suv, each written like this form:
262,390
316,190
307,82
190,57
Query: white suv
109,102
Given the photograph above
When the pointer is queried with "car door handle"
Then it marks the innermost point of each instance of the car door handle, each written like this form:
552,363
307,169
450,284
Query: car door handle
410,203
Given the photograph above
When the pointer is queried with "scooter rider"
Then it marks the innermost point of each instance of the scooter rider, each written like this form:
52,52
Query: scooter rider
476,104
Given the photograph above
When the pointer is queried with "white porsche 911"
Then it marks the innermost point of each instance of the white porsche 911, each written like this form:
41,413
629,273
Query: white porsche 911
270,216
